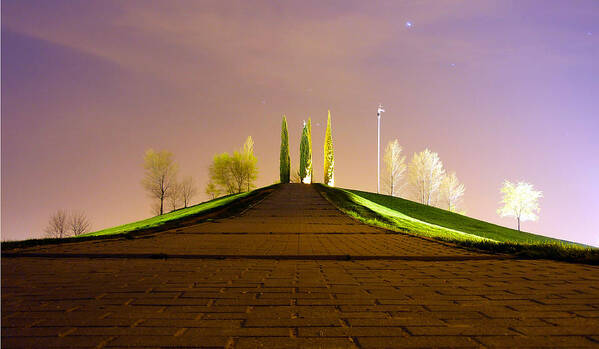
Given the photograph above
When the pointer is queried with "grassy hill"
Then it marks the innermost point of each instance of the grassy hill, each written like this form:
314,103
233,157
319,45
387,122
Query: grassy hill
451,220
231,203
409,217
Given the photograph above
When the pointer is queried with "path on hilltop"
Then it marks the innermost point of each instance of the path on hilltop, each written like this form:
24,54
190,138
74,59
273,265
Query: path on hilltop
294,221
285,283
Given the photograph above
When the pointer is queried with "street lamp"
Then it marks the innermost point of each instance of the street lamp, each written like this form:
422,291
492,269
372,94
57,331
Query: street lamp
378,149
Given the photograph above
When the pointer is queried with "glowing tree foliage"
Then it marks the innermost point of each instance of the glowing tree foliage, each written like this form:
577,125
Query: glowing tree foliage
394,168
235,173
308,178
425,174
305,167
520,201
249,163
285,160
452,191
329,158
160,177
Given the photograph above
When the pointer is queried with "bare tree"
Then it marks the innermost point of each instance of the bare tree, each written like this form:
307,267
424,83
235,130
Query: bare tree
174,197
425,174
155,208
188,190
160,175
78,223
58,225
452,191
395,167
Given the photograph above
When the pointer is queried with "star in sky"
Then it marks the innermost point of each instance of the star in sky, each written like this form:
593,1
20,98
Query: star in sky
409,24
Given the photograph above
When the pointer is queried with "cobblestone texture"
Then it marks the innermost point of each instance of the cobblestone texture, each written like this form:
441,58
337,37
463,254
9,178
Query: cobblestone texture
279,303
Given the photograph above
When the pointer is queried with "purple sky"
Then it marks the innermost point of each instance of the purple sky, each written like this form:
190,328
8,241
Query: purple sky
501,90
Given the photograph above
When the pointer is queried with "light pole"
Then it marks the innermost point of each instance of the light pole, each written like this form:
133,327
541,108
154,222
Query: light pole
378,149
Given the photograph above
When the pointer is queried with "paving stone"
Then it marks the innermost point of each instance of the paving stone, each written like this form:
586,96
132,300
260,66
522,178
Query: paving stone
418,342
169,341
278,342
536,342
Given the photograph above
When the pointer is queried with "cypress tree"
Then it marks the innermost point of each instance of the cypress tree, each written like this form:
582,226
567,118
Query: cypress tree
329,159
304,144
285,161
309,152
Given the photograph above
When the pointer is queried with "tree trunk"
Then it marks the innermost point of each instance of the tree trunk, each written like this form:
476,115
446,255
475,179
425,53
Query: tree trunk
161,205
518,223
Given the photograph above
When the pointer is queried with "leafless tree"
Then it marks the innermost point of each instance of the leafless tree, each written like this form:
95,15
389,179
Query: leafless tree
174,197
394,168
188,190
78,223
58,225
160,176
452,191
425,174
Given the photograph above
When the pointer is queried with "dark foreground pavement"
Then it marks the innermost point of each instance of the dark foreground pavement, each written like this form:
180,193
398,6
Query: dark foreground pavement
296,273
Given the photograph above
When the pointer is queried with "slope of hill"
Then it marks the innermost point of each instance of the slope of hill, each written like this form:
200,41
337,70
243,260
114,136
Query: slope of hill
451,220
409,217
229,203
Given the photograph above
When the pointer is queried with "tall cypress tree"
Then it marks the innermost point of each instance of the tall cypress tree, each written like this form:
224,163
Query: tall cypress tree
285,160
304,145
329,159
309,152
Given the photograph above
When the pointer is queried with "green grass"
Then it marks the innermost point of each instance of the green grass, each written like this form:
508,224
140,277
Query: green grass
233,202
409,217
451,220
169,217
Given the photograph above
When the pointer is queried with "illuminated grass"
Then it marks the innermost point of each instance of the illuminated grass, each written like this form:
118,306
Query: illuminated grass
405,216
229,203
169,217
450,220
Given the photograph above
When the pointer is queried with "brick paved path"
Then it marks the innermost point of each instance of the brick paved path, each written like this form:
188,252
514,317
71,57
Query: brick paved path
286,284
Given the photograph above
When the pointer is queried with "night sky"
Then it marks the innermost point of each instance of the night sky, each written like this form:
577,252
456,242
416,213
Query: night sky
500,89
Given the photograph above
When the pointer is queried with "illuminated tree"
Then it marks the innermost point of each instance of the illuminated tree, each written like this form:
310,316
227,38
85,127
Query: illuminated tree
452,191
329,158
220,173
249,163
305,166
160,175
212,190
309,157
78,223
285,160
236,173
58,225
425,175
520,201
394,168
